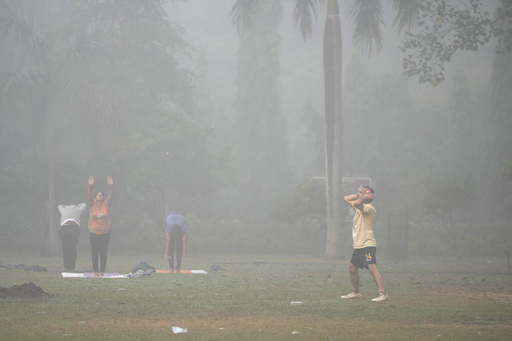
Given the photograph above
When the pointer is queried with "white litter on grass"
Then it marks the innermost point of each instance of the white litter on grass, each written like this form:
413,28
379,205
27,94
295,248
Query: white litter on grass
296,303
199,272
179,330
294,332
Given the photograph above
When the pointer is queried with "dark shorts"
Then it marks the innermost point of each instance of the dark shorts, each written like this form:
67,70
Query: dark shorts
362,257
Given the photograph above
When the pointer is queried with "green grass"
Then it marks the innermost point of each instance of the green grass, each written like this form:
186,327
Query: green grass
434,299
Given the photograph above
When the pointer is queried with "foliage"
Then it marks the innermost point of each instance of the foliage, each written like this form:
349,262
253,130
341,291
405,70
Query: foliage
315,128
420,146
445,196
262,146
507,175
445,27
114,99
168,153
23,216
305,202
368,18
381,123
110,82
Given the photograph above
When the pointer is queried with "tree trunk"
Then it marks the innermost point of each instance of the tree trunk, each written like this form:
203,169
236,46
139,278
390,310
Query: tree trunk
52,206
332,83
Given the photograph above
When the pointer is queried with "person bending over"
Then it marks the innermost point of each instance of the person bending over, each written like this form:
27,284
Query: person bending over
176,236
69,231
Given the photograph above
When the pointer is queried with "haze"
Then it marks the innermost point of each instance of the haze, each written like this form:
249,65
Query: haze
179,130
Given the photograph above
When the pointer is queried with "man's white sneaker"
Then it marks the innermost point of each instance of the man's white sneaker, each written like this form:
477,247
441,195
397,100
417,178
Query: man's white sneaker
380,298
351,295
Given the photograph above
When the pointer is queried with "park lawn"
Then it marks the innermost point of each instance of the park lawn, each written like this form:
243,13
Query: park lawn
434,299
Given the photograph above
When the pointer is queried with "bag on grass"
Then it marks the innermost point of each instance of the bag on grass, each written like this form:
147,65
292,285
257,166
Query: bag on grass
144,267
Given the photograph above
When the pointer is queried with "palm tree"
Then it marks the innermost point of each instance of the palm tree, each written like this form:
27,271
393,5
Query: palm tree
333,129
368,18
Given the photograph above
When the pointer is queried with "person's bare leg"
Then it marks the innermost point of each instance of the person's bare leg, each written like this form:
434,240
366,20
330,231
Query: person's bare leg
354,277
377,277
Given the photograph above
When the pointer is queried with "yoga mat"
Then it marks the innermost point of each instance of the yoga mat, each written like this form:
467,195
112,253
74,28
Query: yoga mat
182,271
91,275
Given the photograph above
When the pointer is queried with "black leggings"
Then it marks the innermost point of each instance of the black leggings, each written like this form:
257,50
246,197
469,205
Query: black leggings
69,235
176,241
99,247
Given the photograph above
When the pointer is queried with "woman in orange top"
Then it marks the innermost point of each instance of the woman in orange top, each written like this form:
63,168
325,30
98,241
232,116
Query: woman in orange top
99,226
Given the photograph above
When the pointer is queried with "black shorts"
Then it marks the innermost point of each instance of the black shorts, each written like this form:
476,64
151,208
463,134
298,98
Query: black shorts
362,257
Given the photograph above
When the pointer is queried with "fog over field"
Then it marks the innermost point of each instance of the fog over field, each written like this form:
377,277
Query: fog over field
190,115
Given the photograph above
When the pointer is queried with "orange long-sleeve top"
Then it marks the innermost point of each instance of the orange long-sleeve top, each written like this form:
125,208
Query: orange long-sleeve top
99,218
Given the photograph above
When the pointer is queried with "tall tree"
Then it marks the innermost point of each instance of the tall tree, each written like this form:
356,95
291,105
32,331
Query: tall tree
27,87
333,129
368,35
262,148
501,117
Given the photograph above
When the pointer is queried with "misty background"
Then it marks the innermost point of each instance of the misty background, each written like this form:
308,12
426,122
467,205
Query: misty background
187,117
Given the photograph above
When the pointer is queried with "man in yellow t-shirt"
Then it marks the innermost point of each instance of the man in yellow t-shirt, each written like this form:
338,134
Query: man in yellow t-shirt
365,246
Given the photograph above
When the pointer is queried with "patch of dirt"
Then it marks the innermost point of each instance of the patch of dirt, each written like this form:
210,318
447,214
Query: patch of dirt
492,295
23,291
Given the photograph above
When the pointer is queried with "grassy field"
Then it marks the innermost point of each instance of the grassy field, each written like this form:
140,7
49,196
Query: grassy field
434,299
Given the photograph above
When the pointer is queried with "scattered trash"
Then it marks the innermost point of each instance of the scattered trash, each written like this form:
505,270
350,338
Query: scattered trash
296,303
294,332
35,268
8,266
179,330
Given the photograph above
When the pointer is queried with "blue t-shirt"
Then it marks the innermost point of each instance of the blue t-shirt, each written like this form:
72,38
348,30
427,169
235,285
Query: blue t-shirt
176,219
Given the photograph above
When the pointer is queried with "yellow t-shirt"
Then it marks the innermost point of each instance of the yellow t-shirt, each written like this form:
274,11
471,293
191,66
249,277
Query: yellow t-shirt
362,230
